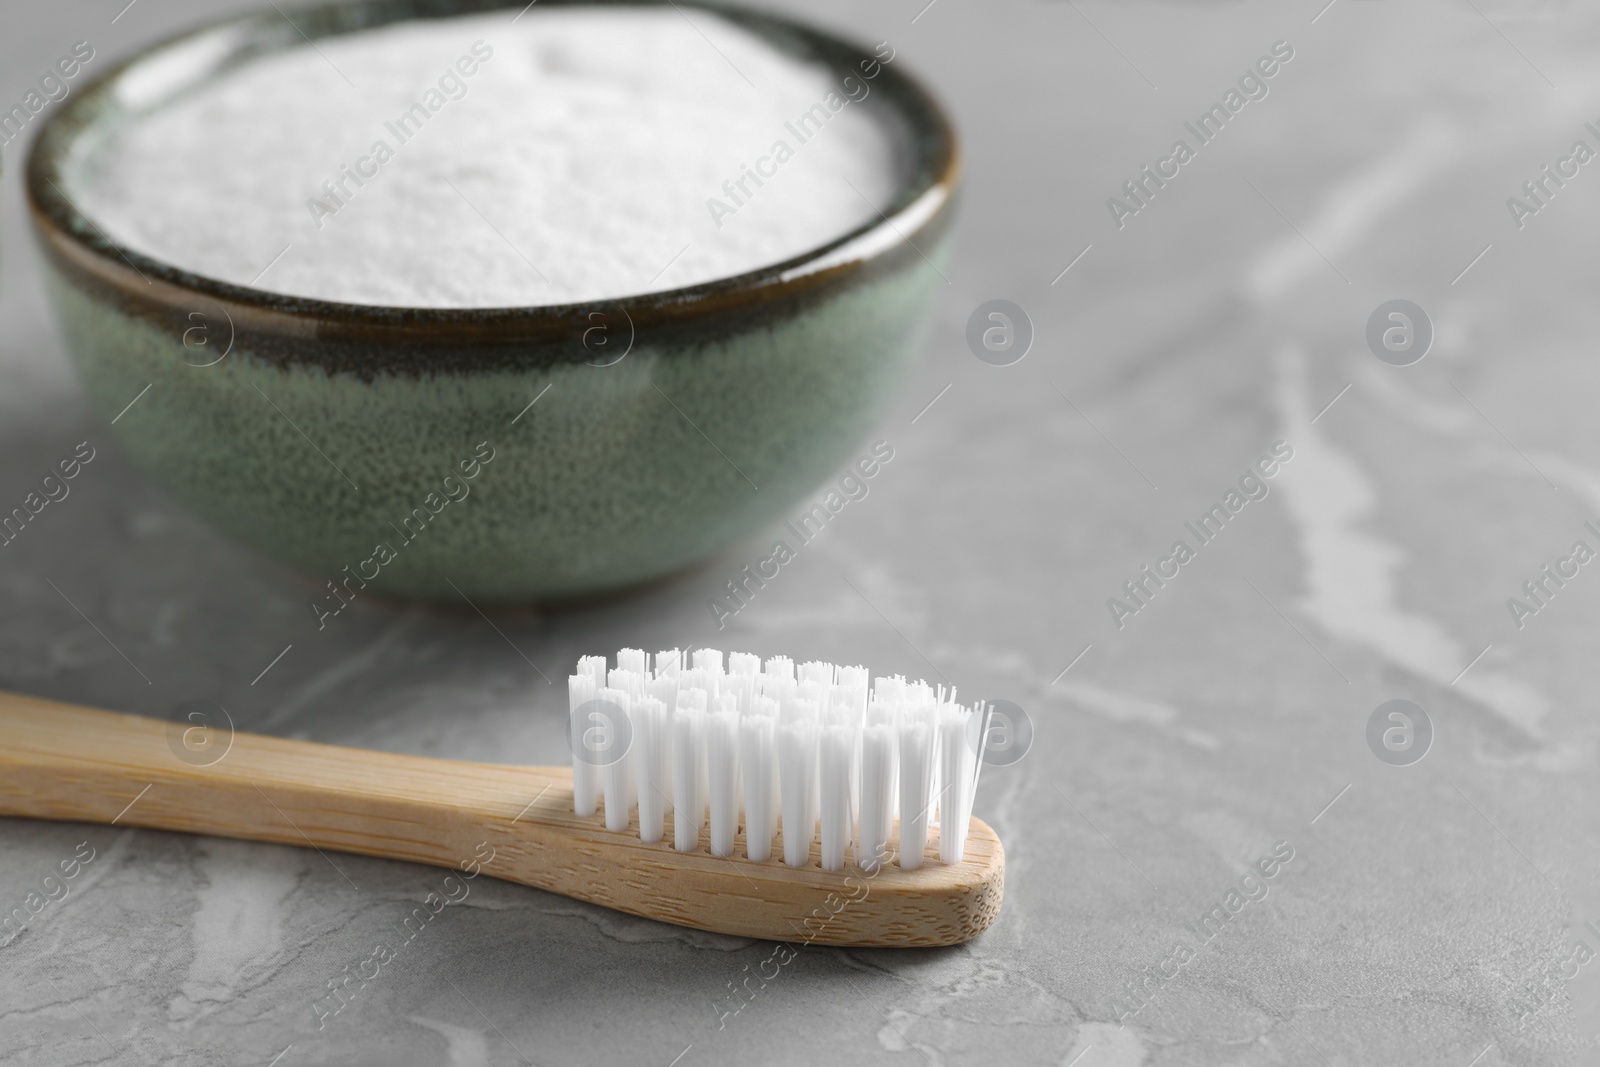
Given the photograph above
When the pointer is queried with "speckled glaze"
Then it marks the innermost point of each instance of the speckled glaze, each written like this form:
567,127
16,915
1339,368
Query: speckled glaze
313,431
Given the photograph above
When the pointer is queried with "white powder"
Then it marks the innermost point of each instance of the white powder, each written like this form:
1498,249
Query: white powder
583,157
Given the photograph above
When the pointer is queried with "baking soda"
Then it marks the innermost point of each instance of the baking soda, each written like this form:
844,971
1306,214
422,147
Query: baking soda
565,156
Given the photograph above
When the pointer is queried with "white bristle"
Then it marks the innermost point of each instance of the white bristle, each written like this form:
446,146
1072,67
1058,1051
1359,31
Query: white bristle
879,754
616,771
634,684
778,687
665,689
627,680
708,661
585,775
722,771
758,758
810,749
702,678
797,779
817,671
853,690
703,682
836,750
890,690
957,780
855,678
742,687
917,741
849,702
652,743
814,694
688,769
843,708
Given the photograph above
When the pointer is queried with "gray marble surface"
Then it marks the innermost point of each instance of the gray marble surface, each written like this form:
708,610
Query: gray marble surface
1431,913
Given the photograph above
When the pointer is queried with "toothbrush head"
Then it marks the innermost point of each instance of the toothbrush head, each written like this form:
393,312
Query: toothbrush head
815,786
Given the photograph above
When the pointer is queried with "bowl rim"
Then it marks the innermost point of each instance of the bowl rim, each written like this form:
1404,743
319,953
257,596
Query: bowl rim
922,202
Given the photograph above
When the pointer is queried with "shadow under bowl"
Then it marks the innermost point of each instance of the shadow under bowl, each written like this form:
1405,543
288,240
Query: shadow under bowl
398,445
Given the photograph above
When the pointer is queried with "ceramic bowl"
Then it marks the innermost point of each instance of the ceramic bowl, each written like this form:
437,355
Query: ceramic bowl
397,446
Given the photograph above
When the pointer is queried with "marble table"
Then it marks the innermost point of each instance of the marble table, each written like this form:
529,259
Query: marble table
1441,910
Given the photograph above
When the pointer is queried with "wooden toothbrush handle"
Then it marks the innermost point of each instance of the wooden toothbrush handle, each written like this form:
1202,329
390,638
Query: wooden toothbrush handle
59,761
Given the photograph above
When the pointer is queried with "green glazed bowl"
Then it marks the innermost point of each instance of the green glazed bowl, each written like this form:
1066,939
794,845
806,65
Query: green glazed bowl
396,447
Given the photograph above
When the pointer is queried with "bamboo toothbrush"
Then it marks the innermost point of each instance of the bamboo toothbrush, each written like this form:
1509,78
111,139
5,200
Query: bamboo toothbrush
625,827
